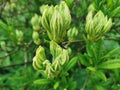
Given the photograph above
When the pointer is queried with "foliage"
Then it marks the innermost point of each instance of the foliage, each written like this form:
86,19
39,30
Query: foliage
59,44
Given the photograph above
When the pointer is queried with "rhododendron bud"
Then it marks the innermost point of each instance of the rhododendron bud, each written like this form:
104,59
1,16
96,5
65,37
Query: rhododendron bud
96,26
56,21
36,38
35,21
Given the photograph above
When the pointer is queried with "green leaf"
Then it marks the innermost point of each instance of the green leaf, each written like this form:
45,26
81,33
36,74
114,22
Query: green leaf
85,60
3,25
115,11
110,64
56,85
42,81
98,87
101,75
94,49
69,2
88,48
98,73
112,52
71,63
93,69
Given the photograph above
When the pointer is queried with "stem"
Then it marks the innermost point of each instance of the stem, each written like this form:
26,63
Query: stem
25,58
86,81
8,54
15,65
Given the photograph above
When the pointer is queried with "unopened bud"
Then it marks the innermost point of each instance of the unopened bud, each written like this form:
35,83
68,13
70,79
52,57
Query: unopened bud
36,22
56,21
96,26
3,45
36,38
72,34
39,58
19,35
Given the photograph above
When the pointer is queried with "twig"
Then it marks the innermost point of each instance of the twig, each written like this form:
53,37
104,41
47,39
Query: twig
2,57
115,39
25,58
14,65
67,43
86,81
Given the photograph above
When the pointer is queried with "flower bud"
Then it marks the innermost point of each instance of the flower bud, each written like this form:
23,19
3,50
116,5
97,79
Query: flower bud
36,38
72,34
56,25
39,58
49,70
91,8
60,57
43,7
96,26
35,21
56,21
19,35
3,45
65,12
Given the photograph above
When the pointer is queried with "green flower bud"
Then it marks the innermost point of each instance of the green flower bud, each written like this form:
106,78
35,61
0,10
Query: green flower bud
49,70
19,35
96,26
72,34
91,8
56,64
46,17
108,25
69,50
36,64
3,45
65,12
35,21
39,58
59,60
56,21
56,25
43,7
64,57
60,57
36,38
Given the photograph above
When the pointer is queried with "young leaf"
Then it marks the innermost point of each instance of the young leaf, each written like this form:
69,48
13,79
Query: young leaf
110,53
98,73
88,48
101,75
71,63
42,81
99,87
93,69
110,64
115,11
84,60
3,25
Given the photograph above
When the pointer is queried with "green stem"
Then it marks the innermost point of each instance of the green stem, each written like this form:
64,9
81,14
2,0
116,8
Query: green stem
86,81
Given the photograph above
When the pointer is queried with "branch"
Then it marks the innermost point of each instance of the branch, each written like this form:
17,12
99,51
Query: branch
2,57
14,65
86,81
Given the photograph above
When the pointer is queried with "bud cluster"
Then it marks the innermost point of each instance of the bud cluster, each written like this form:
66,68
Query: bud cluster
72,34
56,21
51,69
96,26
